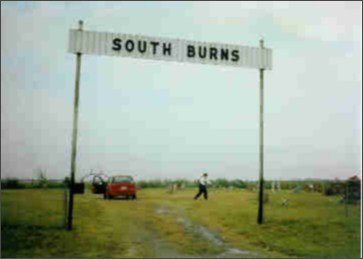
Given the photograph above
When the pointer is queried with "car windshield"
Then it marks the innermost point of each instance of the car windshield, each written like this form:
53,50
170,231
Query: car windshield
120,179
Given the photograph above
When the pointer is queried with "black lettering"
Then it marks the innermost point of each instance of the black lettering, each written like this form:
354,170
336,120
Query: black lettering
129,45
141,48
235,55
154,44
167,49
224,54
191,51
202,51
116,44
213,53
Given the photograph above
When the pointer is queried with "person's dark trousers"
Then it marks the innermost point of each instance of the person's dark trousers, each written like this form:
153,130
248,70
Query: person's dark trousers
202,190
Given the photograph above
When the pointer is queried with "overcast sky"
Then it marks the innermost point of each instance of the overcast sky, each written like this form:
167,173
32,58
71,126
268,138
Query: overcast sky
158,119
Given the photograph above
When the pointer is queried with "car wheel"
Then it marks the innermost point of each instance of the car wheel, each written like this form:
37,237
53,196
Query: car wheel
104,196
134,197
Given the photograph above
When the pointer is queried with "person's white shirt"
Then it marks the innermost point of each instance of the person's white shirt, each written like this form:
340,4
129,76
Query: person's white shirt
203,180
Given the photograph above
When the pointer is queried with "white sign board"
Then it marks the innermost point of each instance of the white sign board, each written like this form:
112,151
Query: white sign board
138,46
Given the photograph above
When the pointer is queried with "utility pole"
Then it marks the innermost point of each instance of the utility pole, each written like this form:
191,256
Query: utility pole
74,135
260,197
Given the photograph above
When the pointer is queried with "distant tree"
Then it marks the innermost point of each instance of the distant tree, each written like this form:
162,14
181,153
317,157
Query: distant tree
42,178
11,183
221,182
238,183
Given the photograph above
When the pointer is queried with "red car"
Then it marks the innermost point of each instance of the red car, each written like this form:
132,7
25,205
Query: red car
120,185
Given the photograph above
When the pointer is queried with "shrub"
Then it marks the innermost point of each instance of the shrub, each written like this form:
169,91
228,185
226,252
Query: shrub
11,183
238,184
352,192
152,184
334,188
221,182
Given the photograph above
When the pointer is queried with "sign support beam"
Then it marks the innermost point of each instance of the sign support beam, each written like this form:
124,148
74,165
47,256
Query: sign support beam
261,181
74,135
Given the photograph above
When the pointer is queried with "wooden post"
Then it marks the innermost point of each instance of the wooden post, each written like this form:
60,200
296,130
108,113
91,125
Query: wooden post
346,198
65,204
260,198
74,135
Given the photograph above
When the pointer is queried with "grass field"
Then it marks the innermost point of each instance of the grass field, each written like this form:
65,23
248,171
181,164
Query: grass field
159,224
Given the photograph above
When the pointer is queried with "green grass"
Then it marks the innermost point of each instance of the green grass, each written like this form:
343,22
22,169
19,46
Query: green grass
312,225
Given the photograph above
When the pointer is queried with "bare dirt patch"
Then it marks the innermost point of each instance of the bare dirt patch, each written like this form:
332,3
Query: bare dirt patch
204,233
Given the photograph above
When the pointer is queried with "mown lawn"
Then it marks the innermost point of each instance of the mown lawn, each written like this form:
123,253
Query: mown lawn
311,225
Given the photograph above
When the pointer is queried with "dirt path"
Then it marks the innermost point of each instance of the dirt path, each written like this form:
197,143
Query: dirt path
145,239
204,233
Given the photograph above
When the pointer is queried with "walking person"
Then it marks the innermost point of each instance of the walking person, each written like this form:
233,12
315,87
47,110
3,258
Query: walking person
202,182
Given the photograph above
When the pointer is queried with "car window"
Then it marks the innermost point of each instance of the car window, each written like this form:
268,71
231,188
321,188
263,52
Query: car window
121,179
